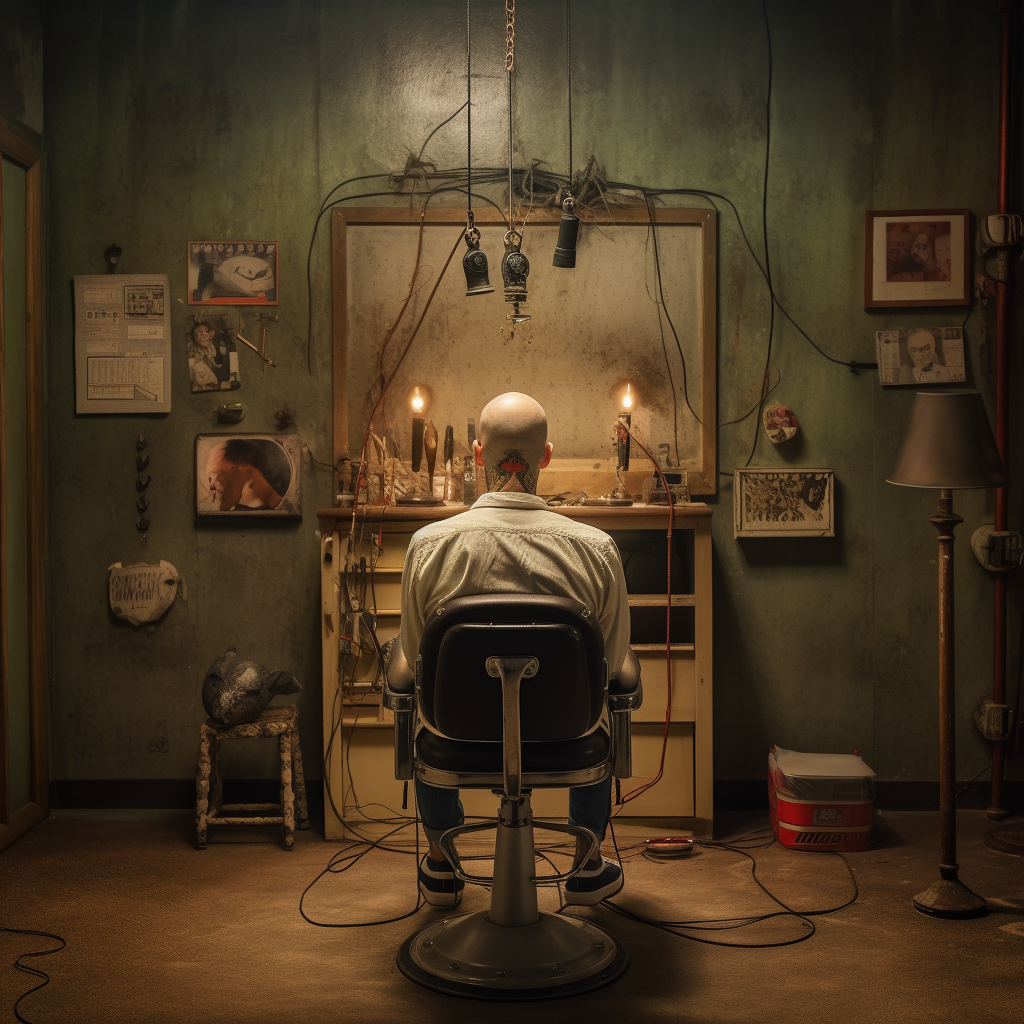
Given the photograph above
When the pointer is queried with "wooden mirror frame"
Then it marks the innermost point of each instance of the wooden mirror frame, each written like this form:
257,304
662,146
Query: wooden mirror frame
572,473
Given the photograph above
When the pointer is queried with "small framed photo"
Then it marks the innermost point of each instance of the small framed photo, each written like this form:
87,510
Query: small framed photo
212,356
921,356
916,258
783,503
245,476
232,273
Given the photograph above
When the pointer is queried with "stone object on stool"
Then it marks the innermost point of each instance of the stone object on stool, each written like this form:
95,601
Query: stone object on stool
237,691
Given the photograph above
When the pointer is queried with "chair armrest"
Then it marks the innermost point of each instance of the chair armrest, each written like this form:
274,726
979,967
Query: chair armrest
399,680
399,696
625,694
625,690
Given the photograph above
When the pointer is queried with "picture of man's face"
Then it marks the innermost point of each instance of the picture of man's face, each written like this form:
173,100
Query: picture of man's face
921,249
921,347
224,479
203,334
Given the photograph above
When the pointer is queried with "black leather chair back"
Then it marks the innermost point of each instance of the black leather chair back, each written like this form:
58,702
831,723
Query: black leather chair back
457,696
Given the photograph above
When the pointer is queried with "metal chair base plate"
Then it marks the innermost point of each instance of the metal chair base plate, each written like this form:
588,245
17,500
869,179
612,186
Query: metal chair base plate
466,955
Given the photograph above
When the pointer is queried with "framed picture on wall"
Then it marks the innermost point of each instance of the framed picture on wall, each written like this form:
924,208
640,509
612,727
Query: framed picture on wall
916,258
921,356
248,476
232,273
783,503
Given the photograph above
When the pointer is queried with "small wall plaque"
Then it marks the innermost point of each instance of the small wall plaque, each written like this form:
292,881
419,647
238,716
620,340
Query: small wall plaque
142,593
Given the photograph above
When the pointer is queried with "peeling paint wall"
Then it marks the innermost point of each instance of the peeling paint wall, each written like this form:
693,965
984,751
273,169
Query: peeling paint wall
174,120
21,64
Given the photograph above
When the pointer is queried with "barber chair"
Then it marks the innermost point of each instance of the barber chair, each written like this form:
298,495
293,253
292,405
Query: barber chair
510,695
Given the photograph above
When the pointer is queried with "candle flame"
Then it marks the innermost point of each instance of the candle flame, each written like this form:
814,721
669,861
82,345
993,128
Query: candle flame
627,399
417,400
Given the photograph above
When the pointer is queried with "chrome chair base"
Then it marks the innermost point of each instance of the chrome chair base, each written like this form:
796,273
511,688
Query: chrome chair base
467,955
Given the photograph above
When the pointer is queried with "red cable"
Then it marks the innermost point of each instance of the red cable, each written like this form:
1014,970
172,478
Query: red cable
634,793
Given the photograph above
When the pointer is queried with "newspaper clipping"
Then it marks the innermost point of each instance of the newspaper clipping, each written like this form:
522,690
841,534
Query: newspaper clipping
122,344
921,355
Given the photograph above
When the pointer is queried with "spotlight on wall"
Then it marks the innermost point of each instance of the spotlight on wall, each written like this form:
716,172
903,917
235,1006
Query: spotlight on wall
568,232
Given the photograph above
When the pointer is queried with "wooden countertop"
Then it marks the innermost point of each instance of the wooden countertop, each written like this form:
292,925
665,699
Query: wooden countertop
624,515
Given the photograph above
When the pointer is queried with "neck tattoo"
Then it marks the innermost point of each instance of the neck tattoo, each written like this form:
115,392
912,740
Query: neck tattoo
512,464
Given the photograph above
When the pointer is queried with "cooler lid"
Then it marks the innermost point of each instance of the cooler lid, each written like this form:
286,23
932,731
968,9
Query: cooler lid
821,766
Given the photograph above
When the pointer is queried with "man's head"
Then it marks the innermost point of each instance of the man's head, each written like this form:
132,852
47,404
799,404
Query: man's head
921,348
203,333
513,445
921,248
240,461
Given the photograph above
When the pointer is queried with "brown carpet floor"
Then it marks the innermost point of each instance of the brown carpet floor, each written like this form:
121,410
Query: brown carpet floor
160,932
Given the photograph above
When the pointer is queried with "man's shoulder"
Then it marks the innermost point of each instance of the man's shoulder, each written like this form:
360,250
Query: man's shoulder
530,522
441,528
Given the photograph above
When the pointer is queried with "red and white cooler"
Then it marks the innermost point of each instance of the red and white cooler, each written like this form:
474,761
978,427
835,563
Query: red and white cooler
820,801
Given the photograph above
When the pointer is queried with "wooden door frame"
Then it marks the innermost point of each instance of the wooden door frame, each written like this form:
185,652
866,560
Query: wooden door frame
17,821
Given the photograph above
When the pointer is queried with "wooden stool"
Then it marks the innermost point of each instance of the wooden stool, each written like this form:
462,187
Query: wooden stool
282,722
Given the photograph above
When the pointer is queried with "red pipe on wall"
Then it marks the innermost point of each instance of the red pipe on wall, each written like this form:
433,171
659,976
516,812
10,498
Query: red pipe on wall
996,810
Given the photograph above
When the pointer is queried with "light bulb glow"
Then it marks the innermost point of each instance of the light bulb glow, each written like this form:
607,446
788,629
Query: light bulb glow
417,401
627,399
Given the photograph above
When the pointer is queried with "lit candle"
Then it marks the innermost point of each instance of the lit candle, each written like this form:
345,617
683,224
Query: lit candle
626,418
418,401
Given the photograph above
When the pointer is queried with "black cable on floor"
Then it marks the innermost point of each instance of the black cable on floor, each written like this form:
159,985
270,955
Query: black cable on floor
348,858
728,923
33,971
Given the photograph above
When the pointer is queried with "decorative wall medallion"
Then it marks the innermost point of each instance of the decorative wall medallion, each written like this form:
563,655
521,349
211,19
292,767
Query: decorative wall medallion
142,593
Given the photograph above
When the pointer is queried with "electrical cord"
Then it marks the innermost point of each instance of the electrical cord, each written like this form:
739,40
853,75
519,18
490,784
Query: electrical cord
662,306
764,232
348,859
634,793
34,972
681,928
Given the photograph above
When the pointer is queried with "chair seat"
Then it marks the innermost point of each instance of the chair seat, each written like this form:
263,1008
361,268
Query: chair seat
558,759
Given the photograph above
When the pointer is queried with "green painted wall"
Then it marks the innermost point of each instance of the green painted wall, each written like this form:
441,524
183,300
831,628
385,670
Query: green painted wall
175,120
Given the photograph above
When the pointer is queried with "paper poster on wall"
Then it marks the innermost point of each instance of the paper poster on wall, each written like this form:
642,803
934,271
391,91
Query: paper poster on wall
122,343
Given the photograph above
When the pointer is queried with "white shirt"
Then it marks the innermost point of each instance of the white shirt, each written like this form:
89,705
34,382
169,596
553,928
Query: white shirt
511,542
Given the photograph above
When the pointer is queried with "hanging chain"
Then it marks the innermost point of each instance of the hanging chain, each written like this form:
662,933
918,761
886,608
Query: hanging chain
510,34
510,54
470,224
568,80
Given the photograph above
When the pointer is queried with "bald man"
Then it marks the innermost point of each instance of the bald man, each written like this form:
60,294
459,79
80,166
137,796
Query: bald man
510,541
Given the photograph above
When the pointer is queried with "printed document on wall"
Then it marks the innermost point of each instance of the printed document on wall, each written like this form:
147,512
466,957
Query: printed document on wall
122,343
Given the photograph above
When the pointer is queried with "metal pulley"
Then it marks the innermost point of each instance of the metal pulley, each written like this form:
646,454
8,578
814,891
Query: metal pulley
474,262
515,268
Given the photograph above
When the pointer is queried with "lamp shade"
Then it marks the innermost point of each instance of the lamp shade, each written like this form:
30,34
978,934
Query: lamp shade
949,444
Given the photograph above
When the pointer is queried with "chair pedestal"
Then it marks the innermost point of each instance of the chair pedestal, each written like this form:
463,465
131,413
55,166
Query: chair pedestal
468,955
511,951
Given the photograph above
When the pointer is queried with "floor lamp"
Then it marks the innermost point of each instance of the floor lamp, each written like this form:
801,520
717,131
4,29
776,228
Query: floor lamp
949,445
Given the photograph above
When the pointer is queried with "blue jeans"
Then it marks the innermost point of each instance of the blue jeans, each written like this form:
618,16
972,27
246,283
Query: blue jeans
441,809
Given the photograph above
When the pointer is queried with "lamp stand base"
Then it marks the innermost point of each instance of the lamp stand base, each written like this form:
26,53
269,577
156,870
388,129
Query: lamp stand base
1005,840
949,897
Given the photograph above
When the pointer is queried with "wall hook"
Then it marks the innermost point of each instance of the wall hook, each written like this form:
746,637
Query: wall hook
112,256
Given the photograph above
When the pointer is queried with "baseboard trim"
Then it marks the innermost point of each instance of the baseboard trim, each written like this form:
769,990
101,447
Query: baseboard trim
730,794
901,795
166,794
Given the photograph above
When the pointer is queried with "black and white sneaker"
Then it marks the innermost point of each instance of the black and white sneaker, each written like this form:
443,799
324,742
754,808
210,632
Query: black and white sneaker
438,883
592,885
